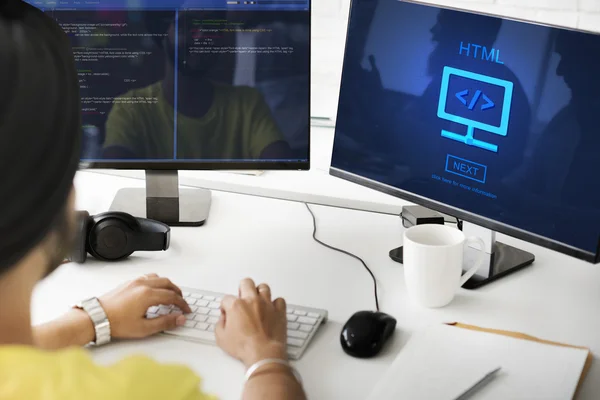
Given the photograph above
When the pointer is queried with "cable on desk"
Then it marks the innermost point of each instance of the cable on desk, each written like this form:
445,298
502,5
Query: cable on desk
314,235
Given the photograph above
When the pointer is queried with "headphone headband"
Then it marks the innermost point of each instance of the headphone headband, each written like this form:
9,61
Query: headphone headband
154,235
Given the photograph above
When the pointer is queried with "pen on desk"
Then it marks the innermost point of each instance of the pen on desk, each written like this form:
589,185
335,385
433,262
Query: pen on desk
478,385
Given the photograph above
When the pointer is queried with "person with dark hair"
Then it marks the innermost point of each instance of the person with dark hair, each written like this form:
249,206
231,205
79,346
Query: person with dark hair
420,150
384,112
215,120
39,157
568,145
451,34
451,25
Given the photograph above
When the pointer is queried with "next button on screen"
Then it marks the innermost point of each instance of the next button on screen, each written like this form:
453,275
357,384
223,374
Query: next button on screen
465,168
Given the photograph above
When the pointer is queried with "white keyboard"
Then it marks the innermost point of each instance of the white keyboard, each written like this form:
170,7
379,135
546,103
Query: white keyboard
303,322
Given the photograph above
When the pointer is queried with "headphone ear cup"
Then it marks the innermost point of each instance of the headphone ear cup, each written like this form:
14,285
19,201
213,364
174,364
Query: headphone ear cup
79,250
109,239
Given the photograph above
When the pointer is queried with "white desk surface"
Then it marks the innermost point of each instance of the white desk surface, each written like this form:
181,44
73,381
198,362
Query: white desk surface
315,186
558,298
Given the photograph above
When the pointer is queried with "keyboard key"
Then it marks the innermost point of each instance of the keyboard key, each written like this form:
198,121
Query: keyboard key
297,334
294,352
152,310
194,334
200,318
164,310
291,318
201,326
152,316
205,314
306,320
185,294
175,310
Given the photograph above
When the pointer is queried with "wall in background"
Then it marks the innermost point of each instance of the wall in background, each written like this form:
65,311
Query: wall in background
330,18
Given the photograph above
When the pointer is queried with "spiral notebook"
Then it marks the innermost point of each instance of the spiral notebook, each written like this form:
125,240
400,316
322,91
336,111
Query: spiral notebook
443,361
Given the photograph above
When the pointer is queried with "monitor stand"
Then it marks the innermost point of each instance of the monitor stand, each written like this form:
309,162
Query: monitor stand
501,259
162,200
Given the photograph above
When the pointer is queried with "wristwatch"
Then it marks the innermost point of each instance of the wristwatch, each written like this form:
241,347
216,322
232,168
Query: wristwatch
101,323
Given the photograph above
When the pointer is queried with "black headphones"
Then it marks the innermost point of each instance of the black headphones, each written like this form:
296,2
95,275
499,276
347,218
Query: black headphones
113,236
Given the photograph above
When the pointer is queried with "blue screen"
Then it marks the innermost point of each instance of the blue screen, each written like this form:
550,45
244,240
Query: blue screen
490,116
190,80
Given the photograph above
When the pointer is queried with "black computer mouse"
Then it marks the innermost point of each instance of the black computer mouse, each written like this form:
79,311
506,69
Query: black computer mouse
366,332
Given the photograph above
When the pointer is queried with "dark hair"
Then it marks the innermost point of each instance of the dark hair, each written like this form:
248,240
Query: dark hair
487,27
581,43
40,128
157,24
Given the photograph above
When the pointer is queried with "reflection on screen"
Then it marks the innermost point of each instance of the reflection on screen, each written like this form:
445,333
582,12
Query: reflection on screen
200,80
490,116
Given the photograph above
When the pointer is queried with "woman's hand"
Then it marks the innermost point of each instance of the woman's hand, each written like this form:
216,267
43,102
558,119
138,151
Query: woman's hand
126,307
252,327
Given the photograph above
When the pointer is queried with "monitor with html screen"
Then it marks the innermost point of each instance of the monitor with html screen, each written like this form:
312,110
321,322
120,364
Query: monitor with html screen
190,84
491,120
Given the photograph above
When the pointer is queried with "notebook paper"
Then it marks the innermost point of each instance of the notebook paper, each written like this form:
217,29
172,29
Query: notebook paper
443,361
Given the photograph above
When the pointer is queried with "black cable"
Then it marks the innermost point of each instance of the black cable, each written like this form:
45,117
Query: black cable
314,235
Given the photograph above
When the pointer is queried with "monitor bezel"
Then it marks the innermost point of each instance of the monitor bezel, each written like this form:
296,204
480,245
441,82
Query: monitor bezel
454,211
263,165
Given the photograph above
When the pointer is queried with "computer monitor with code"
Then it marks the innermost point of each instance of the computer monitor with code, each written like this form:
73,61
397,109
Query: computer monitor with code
491,120
189,84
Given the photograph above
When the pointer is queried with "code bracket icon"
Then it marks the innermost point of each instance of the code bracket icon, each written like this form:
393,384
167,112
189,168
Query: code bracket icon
478,97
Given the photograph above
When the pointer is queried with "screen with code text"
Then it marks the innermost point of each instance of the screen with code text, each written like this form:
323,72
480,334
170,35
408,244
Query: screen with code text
190,81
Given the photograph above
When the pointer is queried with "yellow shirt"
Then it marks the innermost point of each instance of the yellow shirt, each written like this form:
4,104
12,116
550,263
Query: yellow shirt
30,374
237,126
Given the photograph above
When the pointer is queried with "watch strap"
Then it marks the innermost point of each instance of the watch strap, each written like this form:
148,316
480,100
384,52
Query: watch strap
100,320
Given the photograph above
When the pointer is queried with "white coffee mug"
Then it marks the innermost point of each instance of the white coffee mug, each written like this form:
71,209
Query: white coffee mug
433,263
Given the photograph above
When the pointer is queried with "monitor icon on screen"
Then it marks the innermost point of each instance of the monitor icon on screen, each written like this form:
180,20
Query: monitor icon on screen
477,101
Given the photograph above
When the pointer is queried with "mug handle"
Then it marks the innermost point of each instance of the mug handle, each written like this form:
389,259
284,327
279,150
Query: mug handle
471,272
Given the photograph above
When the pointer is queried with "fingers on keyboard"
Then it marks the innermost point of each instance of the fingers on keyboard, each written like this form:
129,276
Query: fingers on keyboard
206,312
